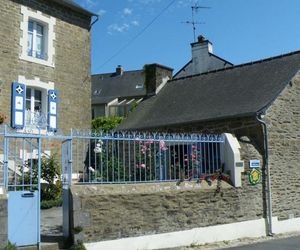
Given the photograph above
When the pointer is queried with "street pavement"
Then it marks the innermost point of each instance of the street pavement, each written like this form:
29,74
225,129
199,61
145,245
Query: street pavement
292,243
288,241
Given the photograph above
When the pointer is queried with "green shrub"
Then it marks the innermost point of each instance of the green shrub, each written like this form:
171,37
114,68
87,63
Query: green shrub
50,172
106,124
10,247
46,204
77,247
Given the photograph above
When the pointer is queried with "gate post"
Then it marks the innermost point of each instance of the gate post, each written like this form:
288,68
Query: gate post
67,182
5,160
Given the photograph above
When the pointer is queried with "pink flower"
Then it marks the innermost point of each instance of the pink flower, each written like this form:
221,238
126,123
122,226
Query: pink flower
143,165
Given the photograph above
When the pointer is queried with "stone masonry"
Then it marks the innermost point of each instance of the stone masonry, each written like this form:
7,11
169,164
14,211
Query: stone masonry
119,211
283,120
3,221
71,74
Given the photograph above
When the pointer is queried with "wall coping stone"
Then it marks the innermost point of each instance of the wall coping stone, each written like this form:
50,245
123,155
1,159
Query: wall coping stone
145,188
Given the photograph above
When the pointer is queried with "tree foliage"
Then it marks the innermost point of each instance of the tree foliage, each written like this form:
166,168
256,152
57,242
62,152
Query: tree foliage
106,124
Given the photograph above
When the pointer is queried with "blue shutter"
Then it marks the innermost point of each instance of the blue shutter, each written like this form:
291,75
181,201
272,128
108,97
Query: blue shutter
18,108
52,110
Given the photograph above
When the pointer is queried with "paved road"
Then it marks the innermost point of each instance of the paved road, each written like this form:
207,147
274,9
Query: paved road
292,243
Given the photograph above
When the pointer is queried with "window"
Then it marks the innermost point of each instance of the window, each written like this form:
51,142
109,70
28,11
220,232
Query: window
34,115
139,86
36,40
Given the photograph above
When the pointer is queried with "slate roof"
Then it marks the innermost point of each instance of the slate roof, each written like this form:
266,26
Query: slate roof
74,6
111,86
239,91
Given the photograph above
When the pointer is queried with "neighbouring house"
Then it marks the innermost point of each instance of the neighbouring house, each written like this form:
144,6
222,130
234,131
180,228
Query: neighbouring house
257,107
203,59
115,94
45,64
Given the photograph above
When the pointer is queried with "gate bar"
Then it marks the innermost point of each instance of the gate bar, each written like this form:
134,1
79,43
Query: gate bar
39,196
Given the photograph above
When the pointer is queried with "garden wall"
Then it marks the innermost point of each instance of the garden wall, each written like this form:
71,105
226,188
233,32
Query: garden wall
103,212
3,221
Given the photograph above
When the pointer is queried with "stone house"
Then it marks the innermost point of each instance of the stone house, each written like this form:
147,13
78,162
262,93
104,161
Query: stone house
257,106
45,64
115,94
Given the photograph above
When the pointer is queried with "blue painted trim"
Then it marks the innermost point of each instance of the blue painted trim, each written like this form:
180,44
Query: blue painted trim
52,98
17,90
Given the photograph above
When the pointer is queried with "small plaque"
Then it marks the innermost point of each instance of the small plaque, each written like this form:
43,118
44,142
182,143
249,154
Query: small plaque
254,163
255,176
239,164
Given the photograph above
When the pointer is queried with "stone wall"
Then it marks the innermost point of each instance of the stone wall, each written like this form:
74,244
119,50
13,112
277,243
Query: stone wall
283,120
3,221
71,74
103,212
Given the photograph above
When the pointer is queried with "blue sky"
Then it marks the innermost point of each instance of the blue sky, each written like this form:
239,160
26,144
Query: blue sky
240,30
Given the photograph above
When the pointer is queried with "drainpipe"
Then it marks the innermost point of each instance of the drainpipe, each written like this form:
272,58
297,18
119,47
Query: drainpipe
96,20
266,157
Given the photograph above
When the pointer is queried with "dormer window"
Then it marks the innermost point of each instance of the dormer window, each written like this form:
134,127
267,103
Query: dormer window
36,40
139,86
97,92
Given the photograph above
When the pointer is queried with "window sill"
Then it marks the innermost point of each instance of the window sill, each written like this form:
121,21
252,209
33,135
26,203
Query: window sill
37,60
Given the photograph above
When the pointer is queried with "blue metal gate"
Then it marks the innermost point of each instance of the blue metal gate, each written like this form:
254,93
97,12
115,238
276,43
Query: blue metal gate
21,179
23,217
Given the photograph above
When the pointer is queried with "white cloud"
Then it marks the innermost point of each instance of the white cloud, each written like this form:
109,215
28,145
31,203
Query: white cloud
149,1
89,3
118,28
135,23
127,12
101,12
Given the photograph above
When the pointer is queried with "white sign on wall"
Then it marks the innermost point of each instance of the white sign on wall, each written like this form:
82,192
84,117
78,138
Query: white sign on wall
254,163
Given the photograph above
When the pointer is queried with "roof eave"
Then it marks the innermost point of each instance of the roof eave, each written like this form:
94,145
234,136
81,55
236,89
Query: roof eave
242,115
75,7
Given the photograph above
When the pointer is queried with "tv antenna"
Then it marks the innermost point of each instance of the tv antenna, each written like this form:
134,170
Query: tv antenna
195,8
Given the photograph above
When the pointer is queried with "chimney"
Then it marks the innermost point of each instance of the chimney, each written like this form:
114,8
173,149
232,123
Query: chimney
201,51
156,76
119,70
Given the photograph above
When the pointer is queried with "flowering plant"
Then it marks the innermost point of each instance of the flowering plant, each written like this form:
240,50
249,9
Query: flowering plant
2,118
